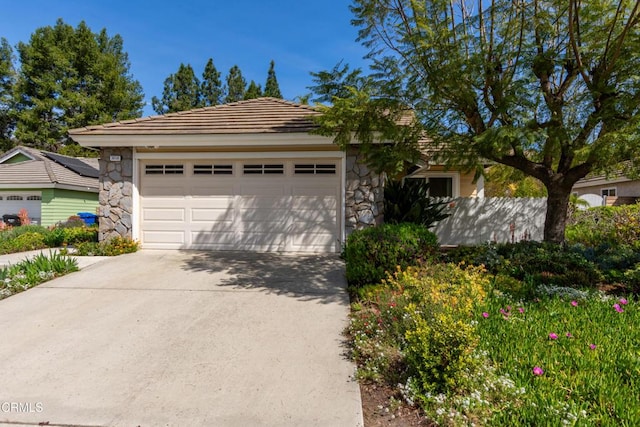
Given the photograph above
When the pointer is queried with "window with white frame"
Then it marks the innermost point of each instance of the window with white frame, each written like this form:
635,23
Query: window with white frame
611,191
440,184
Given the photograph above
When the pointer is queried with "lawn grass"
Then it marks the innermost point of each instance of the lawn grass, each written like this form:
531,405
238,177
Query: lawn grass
587,352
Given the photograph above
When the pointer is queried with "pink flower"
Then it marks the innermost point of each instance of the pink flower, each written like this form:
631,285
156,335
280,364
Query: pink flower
624,301
537,370
521,310
485,314
553,336
592,346
618,308
504,313
574,303
569,335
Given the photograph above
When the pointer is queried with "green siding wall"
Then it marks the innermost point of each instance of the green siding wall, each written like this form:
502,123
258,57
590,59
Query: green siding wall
17,159
58,205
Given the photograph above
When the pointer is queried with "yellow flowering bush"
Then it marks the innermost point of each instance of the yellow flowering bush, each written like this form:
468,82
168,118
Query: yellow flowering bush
111,247
441,338
417,328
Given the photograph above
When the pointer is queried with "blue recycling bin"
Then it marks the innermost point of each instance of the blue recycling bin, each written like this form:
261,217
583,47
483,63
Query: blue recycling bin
88,218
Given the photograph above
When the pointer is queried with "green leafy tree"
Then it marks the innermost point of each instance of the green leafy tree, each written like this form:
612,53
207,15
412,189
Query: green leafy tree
271,87
386,130
7,81
236,85
211,89
181,92
505,181
253,91
69,78
548,87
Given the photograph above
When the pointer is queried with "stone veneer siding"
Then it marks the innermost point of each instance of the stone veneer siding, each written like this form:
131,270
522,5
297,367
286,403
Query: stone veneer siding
364,194
116,192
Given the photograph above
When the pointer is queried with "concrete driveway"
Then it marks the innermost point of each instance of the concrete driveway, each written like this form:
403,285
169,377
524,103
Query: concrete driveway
169,338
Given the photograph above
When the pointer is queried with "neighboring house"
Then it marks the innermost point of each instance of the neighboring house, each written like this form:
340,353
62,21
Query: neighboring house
51,187
614,190
240,176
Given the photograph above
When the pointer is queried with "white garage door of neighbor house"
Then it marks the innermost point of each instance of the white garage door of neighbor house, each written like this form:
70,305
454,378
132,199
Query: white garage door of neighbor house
11,202
268,205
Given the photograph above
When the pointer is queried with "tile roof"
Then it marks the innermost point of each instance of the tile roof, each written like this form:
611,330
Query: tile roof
42,171
261,115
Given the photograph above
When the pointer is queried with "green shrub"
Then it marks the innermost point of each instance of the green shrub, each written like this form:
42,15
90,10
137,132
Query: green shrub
24,242
547,263
484,254
74,221
409,201
372,252
12,233
631,278
70,235
606,225
112,247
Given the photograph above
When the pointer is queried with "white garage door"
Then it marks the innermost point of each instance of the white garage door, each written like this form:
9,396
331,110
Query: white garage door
269,205
11,202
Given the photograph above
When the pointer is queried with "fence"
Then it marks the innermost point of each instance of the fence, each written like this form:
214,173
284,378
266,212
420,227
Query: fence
492,219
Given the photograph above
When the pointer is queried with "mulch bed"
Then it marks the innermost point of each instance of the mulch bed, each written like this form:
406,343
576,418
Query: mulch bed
382,406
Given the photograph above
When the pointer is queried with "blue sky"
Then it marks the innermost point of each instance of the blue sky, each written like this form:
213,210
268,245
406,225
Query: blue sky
299,35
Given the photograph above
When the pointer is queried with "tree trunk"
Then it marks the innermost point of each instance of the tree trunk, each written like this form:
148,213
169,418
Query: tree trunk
556,217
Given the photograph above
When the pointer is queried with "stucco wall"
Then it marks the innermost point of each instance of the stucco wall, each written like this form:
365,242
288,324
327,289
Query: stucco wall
116,190
623,189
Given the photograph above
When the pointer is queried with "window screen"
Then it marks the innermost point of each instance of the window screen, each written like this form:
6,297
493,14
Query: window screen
440,187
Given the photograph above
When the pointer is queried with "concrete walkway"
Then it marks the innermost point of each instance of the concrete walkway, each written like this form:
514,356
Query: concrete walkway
169,338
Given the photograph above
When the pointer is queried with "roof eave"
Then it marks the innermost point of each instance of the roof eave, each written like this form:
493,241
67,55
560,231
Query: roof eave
200,140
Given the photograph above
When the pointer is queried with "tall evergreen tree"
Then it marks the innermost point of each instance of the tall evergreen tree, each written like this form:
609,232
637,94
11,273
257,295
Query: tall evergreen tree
236,85
181,92
211,89
7,81
253,91
271,87
72,78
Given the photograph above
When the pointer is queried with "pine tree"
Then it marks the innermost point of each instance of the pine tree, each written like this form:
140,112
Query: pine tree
253,91
211,89
271,87
181,92
69,78
236,85
7,81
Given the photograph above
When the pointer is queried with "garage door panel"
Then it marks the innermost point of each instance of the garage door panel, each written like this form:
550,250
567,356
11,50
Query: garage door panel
170,237
214,240
261,212
273,188
315,240
267,241
263,215
315,202
207,191
164,192
223,215
163,214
